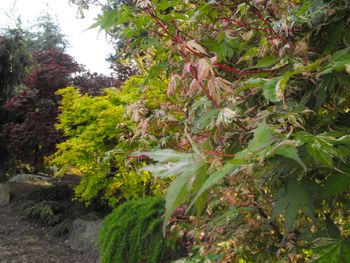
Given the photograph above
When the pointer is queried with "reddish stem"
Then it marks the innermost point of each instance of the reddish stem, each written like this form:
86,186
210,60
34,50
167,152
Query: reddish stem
206,92
248,27
140,157
258,14
178,40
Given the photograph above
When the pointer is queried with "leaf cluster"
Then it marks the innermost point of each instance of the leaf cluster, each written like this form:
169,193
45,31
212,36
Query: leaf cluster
258,94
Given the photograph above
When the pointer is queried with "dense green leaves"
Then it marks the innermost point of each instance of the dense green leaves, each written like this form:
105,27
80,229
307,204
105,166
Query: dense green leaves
335,184
263,137
296,196
332,250
256,119
323,148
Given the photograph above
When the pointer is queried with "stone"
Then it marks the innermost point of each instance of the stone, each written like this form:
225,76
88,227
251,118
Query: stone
4,194
84,235
31,179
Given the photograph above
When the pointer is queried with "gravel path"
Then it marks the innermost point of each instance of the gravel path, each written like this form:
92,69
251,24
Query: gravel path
22,242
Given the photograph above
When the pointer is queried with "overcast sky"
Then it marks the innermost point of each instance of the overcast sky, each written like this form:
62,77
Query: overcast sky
87,46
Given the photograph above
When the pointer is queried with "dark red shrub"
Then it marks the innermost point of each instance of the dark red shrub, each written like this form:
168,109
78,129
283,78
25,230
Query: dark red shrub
94,83
30,132
53,69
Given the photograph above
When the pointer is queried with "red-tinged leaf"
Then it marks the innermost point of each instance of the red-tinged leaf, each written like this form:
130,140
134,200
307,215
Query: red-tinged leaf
204,68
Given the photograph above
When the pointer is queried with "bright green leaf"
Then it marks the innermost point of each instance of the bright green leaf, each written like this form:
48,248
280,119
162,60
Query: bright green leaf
290,151
269,90
266,62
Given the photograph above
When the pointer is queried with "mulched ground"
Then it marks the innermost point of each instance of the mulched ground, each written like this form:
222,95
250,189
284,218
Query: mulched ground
23,242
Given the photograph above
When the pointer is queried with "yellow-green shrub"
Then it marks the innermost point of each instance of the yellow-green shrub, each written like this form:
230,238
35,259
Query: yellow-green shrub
100,140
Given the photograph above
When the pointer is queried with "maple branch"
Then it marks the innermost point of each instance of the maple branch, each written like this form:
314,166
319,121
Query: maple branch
206,92
267,23
178,40
247,26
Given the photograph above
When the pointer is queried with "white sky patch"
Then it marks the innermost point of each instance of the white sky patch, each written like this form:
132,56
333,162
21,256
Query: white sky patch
88,47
